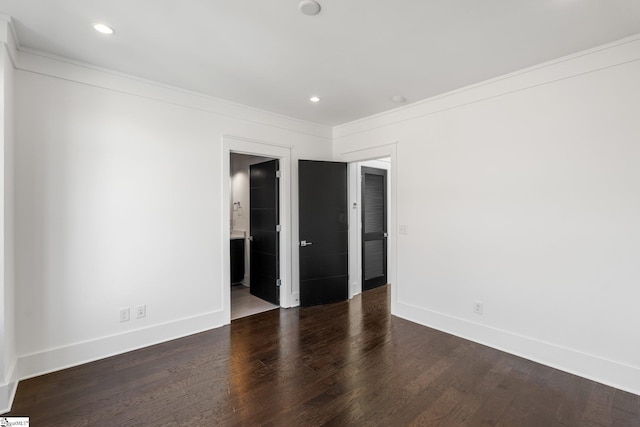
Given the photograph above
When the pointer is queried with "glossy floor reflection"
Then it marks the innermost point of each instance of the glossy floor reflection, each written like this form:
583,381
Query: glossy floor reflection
344,364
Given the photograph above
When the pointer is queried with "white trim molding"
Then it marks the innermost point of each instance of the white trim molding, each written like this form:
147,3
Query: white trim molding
618,375
609,55
8,37
67,69
235,144
378,152
8,389
55,359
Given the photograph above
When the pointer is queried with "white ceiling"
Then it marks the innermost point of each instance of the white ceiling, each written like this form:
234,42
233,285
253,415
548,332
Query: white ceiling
355,55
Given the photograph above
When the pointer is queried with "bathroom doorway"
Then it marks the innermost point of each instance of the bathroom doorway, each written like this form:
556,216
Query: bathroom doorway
254,234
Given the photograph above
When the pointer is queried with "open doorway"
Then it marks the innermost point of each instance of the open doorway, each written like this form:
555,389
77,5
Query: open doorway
254,151
380,157
370,196
289,295
337,259
254,242
374,223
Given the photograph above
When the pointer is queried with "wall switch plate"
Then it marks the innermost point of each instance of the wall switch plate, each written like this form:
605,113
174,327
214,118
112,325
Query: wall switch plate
404,229
124,314
141,311
477,307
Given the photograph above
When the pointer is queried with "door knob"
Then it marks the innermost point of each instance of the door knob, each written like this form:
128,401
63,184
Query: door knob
251,238
385,234
304,243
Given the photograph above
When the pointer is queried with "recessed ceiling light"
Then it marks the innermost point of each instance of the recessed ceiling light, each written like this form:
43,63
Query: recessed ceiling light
314,99
309,7
104,29
399,99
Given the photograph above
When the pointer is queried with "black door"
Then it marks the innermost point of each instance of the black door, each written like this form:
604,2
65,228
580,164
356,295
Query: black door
264,242
324,249
374,228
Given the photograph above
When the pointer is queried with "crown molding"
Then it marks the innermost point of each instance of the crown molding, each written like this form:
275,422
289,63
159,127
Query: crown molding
8,37
611,54
45,63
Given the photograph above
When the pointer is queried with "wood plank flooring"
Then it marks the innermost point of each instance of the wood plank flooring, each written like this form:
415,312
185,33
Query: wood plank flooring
345,364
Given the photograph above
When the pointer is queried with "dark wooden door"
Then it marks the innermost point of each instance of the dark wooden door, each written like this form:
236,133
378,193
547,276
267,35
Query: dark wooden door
323,232
264,263
374,227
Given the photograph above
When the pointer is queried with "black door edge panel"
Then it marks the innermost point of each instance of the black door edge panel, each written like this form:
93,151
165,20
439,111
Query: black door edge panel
264,238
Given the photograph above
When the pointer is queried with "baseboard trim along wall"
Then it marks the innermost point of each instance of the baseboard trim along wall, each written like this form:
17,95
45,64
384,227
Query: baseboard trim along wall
8,391
60,358
604,371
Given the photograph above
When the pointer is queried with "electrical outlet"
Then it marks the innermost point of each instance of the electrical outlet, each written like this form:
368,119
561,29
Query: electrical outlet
141,311
477,307
404,229
124,314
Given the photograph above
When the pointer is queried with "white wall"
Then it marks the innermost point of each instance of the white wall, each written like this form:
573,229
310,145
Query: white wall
522,193
8,381
8,216
118,204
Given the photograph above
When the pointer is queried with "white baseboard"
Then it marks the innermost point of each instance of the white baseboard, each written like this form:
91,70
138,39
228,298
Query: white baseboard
8,390
295,300
585,365
7,393
77,354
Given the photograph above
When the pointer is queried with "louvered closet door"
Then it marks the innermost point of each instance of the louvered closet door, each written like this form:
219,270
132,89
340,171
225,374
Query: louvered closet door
374,227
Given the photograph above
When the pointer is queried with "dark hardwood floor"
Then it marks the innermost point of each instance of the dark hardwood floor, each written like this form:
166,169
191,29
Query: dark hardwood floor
343,364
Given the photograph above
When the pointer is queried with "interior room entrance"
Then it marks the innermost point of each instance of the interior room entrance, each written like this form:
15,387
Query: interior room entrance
344,228
254,234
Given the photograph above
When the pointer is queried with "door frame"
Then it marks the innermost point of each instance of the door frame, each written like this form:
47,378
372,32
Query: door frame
360,167
240,145
355,263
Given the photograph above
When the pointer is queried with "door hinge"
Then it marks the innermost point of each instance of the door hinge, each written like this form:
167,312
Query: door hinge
278,228
278,282
277,174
